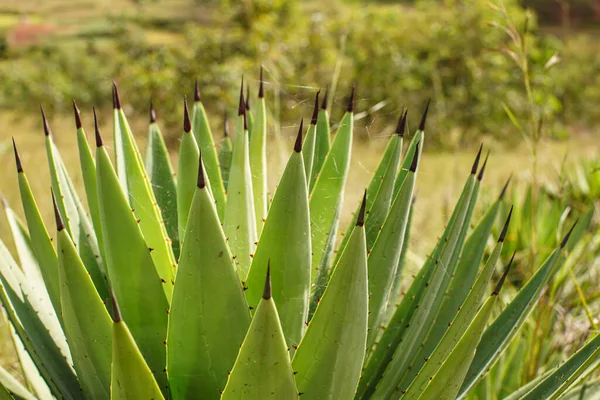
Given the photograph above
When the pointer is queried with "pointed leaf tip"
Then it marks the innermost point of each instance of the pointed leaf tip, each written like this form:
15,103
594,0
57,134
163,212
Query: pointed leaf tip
325,98
116,311
47,130
504,275
196,91
99,142
298,144
152,113
59,222
568,235
315,115
415,160
225,125
401,127
77,115
267,291
351,100
247,97
17,158
482,170
424,117
241,105
187,125
261,89
476,162
360,221
503,191
201,181
505,228
116,99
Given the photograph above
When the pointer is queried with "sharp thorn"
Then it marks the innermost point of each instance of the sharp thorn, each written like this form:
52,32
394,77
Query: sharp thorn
325,98
568,235
247,97
415,160
116,311
242,106
504,275
17,158
59,222
315,115
261,89
424,117
351,100
482,170
503,191
99,142
267,291
77,115
152,113
187,125
401,127
47,130
225,125
505,228
360,220
116,99
476,162
201,180
298,144
196,92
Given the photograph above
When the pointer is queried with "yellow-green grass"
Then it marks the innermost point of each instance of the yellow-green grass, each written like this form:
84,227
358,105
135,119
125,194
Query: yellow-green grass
441,175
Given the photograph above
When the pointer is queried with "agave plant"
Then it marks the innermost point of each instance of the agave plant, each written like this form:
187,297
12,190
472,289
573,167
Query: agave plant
202,286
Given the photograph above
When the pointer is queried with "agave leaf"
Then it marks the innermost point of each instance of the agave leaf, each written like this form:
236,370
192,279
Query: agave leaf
10,385
85,319
587,390
263,369
206,145
131,270
421,376
258,159
446,383
499,334
38,330
383,259
328,192
130,378
162,178
240,218
396,286
136,185
225,152
338,330
208,296
287,246
40,240
554,385
308,152
322,143
417,142
76,220
421,318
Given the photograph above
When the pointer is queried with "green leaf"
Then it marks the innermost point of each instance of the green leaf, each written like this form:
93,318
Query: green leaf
10,384
308,149
134,279
258,162
75,218
240,219
130,169
322,144
327,195
446,383
162,178
285,241
225,153
206,144
131,379
263,369
553,386
187,178
499,334
329,359
86,322
208,296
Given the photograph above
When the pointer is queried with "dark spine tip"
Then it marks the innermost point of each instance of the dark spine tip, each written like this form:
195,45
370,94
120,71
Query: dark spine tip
242,106
298,144
59,222
267,291
315,114
424,117
196,91
504,188
17,158
568,235
325,98
152,113
99,142
505,228
47,130
350,108
187,124
360,220
116,99
247,97
116,311
401,127
225,125
482,170
201,181
261,89
77,115
245,121
476,162
415,160
504,275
